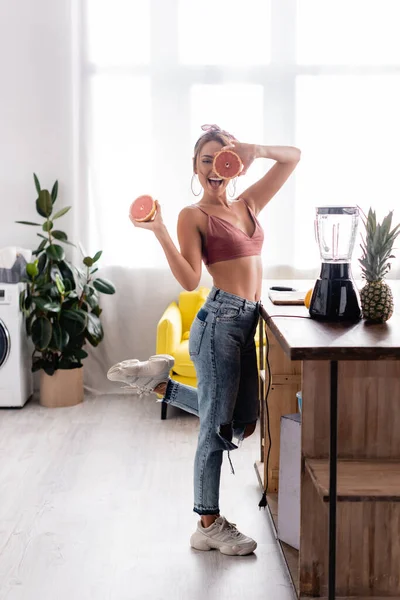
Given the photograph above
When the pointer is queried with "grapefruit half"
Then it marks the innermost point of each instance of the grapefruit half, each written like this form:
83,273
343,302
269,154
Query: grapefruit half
143,208
227,164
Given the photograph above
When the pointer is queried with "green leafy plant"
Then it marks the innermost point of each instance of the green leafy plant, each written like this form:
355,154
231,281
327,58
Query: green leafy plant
61,301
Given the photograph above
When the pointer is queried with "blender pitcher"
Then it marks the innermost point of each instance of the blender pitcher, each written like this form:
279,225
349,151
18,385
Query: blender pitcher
334,297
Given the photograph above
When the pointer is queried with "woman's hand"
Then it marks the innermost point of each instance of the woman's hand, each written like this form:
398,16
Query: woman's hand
246,153
155,225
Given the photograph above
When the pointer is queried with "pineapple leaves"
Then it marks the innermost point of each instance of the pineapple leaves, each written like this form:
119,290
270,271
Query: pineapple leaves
377,246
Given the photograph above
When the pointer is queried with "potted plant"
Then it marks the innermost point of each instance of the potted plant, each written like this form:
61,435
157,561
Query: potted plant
377,245
61,307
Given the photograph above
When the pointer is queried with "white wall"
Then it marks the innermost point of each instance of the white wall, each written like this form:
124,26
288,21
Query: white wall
35,111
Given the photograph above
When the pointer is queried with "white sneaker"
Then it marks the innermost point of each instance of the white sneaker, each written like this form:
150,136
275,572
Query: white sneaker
144,376
222,536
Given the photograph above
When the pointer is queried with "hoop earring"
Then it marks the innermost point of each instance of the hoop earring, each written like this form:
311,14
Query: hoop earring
232,192
191,185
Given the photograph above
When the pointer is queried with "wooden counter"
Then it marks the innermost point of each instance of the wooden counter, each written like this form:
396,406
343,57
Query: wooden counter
365,388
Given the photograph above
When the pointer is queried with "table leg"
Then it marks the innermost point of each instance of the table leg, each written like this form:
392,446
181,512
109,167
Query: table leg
333,480
262,366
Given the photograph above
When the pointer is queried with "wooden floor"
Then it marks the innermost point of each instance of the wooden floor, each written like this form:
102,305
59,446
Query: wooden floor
96,503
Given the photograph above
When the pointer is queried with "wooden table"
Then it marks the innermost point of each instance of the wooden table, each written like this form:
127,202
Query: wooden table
350,447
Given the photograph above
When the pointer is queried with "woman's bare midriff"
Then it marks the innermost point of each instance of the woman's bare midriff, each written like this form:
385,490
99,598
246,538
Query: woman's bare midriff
239,276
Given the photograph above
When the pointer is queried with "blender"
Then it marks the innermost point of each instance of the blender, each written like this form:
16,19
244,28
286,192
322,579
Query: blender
334,296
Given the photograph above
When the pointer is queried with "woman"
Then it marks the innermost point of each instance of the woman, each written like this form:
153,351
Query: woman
228,238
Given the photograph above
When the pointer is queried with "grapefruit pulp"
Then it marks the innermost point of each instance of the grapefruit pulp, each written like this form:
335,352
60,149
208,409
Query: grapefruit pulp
143,208
227,164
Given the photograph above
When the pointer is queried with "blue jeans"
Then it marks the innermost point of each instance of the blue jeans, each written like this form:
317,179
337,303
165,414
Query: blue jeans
222,348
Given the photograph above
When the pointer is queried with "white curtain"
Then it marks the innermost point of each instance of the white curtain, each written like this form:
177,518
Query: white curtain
323,75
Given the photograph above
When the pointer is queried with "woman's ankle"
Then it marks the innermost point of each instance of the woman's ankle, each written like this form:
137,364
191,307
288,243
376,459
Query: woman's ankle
161,388
207,520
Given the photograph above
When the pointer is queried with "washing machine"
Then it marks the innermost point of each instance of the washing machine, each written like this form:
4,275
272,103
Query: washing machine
16,381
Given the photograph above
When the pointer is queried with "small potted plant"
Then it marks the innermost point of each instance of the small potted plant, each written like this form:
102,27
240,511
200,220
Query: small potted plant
61,307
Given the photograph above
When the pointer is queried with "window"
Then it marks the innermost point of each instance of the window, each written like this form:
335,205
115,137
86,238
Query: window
349,130
226,32
322,75
120,168
348,32
118,32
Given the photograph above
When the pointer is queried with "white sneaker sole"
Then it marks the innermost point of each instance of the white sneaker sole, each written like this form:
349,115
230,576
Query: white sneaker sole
198,541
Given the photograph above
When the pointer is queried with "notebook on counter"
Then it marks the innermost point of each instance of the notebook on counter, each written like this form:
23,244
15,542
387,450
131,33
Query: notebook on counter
289,298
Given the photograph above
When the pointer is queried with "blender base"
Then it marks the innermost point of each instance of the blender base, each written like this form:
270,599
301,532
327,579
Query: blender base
334,297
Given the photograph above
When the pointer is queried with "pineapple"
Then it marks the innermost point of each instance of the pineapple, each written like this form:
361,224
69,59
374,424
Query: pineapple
376,295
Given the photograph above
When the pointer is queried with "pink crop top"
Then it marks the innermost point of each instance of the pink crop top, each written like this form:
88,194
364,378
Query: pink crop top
225,241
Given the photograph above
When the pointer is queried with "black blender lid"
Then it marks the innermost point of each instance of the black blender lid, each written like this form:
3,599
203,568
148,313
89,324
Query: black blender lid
337,210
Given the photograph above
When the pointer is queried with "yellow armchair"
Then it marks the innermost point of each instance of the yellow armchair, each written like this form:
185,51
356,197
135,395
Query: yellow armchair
173,336
173,333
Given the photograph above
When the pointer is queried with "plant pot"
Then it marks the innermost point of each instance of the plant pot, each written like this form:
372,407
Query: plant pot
64,388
